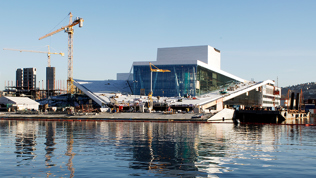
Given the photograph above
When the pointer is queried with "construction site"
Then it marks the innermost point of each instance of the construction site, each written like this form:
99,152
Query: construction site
181,80
26,84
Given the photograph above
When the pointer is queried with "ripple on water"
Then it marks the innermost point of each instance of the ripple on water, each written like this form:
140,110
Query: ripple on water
122,149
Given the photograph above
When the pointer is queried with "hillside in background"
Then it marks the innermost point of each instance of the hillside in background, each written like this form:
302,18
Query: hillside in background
309,90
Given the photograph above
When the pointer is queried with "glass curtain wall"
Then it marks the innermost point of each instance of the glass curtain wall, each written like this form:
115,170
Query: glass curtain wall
180,81
208,81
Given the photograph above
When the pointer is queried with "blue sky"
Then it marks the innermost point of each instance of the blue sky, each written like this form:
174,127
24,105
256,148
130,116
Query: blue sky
258,39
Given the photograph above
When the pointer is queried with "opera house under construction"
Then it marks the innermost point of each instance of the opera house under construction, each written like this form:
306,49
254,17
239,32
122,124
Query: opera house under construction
181,77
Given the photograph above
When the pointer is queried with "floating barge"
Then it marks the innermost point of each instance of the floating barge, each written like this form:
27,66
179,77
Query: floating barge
263,116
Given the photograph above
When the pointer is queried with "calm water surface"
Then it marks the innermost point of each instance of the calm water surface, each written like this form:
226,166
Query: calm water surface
126,149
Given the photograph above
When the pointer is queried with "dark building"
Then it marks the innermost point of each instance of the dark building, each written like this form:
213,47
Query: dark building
29,78
19,78
50,78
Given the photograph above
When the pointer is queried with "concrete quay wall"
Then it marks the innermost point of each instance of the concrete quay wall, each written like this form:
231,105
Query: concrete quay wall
103,116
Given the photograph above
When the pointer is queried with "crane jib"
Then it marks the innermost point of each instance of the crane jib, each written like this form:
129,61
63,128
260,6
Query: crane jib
78,21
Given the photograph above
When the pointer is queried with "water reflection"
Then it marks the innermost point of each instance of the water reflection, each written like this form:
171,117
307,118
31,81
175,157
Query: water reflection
165,149
25,142
105,149
50,142
299,120
69,152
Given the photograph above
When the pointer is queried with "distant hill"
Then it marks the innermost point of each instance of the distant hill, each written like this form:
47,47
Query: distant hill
309,90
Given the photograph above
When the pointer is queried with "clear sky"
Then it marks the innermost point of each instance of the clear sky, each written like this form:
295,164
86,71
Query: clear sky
258,39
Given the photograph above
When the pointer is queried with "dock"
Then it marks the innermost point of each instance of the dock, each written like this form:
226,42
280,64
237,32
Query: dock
107,116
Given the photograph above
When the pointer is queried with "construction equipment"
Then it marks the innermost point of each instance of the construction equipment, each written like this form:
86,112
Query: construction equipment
151,76
48,53
68,29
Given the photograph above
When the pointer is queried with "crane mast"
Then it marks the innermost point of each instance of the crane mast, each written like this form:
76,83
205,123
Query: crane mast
68,29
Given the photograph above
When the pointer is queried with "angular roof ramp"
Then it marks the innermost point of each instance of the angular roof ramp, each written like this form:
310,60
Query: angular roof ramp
100,91
242,89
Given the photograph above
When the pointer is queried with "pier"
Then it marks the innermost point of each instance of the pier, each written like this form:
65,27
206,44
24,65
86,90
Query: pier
107,116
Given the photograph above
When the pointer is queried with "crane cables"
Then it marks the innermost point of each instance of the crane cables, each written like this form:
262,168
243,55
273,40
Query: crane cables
58,24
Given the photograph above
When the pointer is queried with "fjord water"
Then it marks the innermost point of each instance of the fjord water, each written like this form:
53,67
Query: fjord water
163,149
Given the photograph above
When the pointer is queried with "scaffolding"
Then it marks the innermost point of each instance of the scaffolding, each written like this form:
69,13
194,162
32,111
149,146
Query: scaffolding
36,94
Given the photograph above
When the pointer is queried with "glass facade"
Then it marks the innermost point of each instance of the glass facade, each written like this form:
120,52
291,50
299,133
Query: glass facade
181,80
210,81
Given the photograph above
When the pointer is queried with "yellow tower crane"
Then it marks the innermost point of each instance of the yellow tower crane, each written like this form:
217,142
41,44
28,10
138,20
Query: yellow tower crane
68,29
155,69
46,52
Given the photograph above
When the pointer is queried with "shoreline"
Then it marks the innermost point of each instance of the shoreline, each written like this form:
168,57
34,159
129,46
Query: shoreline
106,116
127,117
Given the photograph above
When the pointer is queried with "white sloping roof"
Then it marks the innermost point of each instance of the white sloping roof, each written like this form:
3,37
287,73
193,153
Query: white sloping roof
18,100
105,86
101,91
100,96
